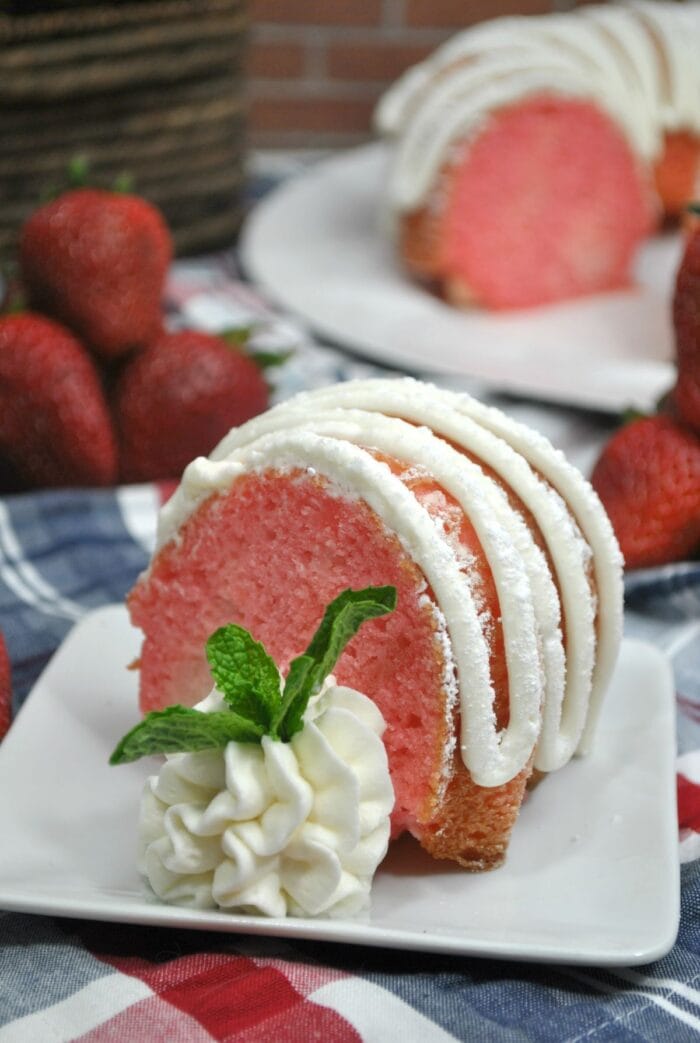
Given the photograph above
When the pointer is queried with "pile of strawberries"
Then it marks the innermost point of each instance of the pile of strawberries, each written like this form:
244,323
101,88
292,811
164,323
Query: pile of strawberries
93,390
648,475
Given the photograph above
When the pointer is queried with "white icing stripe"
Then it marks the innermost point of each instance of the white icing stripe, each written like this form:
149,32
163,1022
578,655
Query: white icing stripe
577,493
596,528
678,46
638,62
449,469
635,48
501,537
491,758
527,596
511,451
424,404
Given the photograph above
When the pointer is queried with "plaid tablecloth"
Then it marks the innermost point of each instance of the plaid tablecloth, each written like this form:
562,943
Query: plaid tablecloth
65,553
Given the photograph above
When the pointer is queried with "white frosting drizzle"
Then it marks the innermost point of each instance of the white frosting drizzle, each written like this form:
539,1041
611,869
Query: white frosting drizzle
636,51
476,495
595,525
492,758
678,41
638,62
278,828
425,403
502,535
564,714
321,429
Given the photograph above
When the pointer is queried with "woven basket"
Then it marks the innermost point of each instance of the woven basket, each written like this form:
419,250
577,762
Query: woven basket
151,88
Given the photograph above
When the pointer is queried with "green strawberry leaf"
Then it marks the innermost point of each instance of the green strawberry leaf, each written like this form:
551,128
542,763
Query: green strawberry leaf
245,674
341,621
13,298
123,183
237,336
180,729
270,359
78,171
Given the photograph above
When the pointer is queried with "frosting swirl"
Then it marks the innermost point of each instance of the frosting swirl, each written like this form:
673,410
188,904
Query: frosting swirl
277,829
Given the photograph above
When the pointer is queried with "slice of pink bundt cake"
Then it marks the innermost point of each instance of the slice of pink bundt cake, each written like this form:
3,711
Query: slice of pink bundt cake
531,156
507,572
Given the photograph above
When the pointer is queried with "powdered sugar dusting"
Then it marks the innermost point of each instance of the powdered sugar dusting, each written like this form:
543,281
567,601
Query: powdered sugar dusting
451,689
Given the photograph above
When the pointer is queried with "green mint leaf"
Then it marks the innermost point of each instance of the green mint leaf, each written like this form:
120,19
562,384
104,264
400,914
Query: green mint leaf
298,689
245,674
179,729
341,621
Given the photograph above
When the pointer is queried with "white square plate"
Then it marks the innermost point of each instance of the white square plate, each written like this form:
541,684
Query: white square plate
591,876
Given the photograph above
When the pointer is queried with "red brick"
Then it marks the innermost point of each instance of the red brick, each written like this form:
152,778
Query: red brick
378,61
275,61
456,14
317,12
313,115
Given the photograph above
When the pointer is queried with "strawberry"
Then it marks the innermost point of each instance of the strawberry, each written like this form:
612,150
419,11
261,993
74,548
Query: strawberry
178,398
97,261
5,689
55,427
648,478
686,321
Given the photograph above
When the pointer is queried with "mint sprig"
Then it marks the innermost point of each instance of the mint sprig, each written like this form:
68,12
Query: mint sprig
245,674
249,681
180,729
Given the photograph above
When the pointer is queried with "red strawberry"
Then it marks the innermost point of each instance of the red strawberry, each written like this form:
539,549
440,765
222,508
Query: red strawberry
55,428
648,477
5,689
686,321
97,261
178,398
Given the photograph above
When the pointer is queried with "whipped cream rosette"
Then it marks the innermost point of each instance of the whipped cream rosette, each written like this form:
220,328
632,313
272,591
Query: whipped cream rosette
269,802
277,828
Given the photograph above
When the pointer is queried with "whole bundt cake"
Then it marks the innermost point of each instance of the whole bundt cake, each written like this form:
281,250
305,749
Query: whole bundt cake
530,156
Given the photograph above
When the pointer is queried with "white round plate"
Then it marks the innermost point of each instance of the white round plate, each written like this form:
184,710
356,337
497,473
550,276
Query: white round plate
317,247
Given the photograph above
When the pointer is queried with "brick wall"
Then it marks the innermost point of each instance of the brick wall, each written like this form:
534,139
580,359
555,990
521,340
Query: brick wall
317,67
